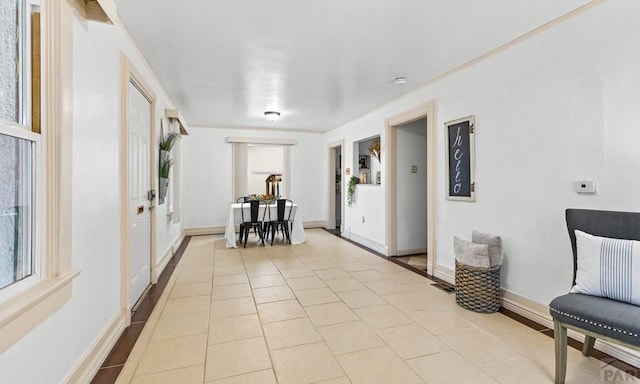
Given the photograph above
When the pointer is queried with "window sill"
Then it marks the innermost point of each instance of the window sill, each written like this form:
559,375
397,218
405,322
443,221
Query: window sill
23,312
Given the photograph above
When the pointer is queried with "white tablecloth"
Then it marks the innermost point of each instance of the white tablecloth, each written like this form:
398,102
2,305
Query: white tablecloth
235,218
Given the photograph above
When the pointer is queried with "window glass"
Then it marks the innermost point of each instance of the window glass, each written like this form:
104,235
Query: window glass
16,209
9,73
262,161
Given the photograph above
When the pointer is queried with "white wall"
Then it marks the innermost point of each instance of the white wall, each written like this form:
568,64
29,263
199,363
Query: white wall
49,353
557,107
208,180
411,188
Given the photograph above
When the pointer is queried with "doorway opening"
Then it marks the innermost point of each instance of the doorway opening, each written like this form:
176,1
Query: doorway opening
336,188
410,193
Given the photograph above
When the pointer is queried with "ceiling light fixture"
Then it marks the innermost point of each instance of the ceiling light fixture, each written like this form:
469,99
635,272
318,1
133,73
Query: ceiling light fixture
272,115
400,81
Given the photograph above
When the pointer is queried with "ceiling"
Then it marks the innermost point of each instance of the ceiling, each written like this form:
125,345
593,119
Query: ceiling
319,63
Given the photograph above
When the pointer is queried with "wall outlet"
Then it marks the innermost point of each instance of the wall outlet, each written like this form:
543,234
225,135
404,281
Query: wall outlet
363,219
585,187
414,169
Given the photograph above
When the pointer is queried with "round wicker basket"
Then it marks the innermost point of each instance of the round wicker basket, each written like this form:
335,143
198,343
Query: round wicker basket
478,289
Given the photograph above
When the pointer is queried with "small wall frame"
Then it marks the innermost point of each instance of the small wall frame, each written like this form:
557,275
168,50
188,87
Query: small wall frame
460,155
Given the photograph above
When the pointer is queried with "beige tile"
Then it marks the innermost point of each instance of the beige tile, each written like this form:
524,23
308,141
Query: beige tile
262,271
409,301
521,371
234,328
382,316
193,289
341,380
388,267
307,282
377,366
181,325
386,287
186,305
360,299
345,285
233,307
259,377
280,310
332,313
228,270
449,367
316,296
194,278
369,275
289,333
305,364
267,281
354,266
350,337
239,278
231,291
410,341
438,321
168,354
290,273
406,276
332,273
189,375
236,358
127,372
320,264
269,294
478,347
597,372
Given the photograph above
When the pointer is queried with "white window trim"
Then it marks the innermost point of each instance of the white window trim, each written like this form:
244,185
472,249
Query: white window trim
23,311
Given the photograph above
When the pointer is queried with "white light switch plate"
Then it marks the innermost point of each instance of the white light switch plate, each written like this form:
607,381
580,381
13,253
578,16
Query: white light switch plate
585,186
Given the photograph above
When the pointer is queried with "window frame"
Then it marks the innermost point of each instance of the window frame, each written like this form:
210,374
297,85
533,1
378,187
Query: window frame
23,310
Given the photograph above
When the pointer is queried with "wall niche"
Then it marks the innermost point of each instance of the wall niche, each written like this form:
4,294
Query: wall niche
366,160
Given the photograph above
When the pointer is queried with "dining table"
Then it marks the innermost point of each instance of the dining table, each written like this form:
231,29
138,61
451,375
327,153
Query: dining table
235,219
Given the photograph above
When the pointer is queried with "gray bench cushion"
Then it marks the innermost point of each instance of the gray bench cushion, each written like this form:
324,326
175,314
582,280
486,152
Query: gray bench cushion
614,319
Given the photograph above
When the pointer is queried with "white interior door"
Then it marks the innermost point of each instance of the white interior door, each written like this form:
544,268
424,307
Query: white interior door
139,183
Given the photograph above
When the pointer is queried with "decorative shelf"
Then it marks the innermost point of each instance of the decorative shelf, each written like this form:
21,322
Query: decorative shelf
103,11
176,115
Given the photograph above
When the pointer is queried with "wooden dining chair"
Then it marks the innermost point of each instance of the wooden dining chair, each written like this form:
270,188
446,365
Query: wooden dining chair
282,221
253,222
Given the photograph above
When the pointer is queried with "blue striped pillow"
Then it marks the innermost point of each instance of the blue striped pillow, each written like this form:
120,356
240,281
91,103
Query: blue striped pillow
607,267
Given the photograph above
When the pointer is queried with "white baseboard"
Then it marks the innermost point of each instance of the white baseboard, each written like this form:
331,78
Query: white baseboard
198,231
314,224
374,245
444,273
87,367
407,252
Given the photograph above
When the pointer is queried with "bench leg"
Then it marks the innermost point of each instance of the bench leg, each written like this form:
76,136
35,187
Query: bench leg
587,347
560,337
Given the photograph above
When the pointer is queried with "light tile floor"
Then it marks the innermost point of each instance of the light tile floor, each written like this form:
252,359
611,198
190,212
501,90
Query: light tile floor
329,312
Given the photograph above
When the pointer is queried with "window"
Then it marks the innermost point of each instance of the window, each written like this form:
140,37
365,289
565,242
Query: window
257,160
35,196
18,145
17,205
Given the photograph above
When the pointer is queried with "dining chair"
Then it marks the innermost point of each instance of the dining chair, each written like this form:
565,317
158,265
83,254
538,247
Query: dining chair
282,221
253,222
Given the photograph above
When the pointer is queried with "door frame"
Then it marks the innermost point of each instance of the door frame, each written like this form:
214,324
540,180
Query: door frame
428,111
130,74
331,221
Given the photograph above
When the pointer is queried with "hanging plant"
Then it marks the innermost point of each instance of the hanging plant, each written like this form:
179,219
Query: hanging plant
351,190
165,162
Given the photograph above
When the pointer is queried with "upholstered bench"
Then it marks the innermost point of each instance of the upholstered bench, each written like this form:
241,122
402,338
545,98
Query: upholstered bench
595,316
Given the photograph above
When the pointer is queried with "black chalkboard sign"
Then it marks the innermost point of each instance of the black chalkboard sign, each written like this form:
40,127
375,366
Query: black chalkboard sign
460,158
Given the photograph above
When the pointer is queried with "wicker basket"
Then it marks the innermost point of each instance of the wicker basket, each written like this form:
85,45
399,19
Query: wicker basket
478,289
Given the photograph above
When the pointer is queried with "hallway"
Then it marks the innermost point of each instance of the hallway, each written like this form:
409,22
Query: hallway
329,312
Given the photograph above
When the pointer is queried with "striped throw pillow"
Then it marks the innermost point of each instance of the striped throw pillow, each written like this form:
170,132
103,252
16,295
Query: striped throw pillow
608,268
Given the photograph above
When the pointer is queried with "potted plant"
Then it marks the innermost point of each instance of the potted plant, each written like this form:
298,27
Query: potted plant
165,162
351,190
